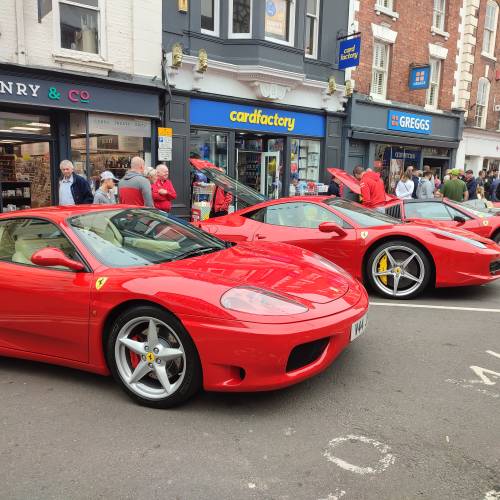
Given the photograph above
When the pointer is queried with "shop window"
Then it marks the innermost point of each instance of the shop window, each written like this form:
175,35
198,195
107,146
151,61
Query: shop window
79,25
438,14
435,77
380,69
304,166
18,123
312,28
210,146
240,18
210,17
490,28
483,93
280,21
113,141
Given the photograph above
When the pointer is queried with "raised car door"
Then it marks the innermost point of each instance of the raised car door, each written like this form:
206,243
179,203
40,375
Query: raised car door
43,310
297,223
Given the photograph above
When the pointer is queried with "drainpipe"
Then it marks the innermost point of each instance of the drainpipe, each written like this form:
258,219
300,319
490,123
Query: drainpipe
21,46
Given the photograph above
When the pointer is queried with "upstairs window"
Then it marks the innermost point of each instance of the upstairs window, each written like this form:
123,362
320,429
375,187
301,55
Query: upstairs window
280,21
79,25
240,18
483,93
435,78
380,69
210,17
438,15
385,4
490,28
312,28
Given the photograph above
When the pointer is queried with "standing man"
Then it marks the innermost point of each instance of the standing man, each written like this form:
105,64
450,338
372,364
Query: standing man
471,184
163,189
73,189
105,194
455,189
134,188
495,189
372,187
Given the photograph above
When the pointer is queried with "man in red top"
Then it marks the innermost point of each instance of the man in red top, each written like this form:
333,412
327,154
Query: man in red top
372,187
163,189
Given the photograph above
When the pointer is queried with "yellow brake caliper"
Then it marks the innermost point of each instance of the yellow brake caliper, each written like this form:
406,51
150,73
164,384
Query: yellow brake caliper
382,266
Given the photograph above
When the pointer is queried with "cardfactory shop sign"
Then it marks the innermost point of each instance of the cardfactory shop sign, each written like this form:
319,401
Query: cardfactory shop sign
260,117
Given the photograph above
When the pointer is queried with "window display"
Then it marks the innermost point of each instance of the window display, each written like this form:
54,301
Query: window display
304,167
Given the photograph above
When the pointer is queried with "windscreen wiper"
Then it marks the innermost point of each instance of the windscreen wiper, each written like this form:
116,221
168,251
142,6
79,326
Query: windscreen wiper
197,251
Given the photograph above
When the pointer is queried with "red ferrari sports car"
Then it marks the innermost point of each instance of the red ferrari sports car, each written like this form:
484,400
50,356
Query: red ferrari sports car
447,213
166,307
396,259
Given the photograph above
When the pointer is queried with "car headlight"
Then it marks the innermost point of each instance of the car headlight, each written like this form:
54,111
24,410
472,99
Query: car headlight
256,301
458,237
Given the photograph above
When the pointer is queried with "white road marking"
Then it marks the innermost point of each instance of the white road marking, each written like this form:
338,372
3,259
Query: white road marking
336,495
430,306
480,372
252,486
493,353
447,439
469,384
386,460
492,495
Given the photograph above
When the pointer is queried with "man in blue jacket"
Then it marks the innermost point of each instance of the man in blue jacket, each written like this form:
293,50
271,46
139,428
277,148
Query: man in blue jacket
471,184
73,189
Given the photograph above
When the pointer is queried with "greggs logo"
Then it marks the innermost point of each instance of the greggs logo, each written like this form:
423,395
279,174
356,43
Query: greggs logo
258,117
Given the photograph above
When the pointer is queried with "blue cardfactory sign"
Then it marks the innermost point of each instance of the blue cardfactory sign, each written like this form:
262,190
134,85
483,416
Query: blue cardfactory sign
419,78
409,122
349,52
255,118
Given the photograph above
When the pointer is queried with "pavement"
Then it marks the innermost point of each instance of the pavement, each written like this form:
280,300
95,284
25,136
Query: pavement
400,415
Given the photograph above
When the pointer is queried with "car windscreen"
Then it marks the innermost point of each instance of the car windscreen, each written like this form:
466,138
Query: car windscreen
483,213
362,216
245,196
140,237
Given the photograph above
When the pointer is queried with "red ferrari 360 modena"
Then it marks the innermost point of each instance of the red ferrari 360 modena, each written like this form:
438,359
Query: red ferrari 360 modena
397,259
473,216
165,307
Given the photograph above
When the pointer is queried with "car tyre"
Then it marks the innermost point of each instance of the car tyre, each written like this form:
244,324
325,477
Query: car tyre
153,358
398,269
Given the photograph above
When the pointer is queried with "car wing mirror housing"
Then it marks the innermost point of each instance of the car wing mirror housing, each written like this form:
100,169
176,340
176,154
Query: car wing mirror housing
459,219
52,257
332,227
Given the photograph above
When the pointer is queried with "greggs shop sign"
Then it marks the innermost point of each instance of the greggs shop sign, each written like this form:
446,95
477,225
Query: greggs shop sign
409,122
255,118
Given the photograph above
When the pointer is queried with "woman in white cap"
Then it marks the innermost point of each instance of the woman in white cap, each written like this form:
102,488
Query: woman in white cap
105,195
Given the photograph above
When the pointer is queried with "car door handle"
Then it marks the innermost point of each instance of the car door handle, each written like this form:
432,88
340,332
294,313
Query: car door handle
260,236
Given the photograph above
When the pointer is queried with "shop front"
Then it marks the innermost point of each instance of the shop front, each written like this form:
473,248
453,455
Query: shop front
46,117
394,138
274,151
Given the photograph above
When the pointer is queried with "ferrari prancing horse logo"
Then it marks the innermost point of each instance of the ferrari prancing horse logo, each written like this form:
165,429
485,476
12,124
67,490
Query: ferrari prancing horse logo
100,282
150,357
364,234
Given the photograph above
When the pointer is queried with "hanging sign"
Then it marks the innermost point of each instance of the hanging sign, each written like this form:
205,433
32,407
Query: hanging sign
419,78
349,52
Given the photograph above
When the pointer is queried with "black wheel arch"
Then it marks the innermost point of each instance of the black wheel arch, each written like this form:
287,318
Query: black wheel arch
397,237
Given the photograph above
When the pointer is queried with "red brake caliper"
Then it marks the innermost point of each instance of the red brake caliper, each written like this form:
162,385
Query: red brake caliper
135,358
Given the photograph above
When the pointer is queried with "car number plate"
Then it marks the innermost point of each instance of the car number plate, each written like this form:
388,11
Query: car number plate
358,328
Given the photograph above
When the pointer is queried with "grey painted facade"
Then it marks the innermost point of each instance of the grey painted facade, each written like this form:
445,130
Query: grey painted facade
366,126
255,52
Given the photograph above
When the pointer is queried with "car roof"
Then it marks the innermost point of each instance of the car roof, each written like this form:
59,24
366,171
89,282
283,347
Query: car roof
59,214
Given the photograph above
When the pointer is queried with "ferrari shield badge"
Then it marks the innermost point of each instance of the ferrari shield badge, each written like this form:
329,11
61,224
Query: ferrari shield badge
364,234
100,282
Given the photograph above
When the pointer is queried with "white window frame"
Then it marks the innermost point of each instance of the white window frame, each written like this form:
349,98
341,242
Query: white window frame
490,51
483,105
101,32
216,30
291,29
317,17
437,9
384,70
381,4
230,33
433,81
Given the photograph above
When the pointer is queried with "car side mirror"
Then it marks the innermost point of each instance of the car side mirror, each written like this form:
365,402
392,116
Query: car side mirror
332,227
51,257
459,219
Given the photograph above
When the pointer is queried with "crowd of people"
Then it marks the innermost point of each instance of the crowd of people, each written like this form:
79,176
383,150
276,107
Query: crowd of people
141,186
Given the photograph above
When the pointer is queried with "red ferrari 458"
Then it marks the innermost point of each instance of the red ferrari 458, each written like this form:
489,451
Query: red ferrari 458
474,215
397,259
165,307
